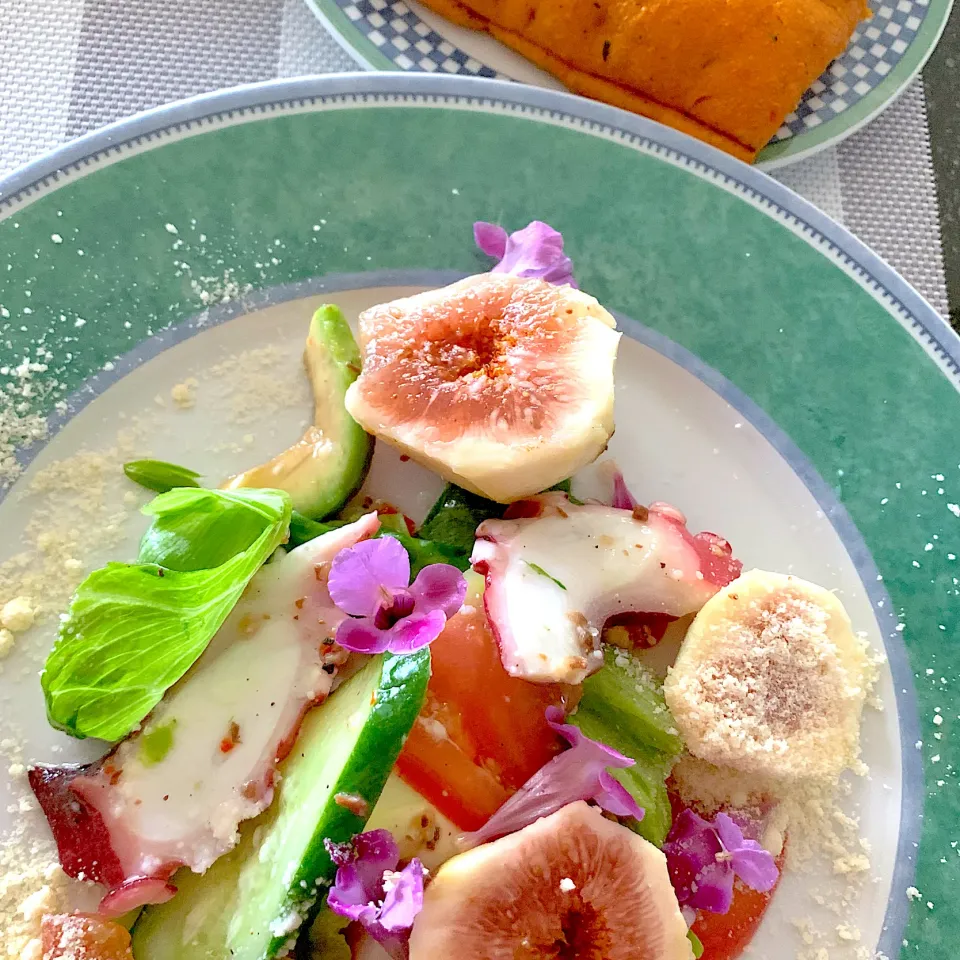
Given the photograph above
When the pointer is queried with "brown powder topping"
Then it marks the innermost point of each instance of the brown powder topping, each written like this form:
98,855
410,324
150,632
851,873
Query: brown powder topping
772,688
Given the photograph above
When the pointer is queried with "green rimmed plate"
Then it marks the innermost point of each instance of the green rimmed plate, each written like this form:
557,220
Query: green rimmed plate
885,54
779,383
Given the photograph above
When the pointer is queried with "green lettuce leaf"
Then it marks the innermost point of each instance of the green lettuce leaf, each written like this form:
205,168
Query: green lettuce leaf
161,476
133,630
195,528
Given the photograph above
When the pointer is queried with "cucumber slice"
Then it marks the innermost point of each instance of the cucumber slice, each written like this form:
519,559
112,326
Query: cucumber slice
250,904
644,780
420,830
628,696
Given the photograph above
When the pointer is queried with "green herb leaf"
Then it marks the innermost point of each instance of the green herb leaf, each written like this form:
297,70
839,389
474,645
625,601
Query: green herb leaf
303,529
454,518
622,705
159,475
696,944
422,552
133,630
536,568
645,780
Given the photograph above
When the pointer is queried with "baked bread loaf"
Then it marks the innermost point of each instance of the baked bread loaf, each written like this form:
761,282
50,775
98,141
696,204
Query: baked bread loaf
726,71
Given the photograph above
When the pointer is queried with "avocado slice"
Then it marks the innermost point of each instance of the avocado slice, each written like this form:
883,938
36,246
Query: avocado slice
327,465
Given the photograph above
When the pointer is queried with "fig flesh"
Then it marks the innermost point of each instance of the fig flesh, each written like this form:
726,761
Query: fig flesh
500,384
571,885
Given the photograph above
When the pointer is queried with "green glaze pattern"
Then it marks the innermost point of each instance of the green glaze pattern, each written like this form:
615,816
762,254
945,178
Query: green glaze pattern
288,195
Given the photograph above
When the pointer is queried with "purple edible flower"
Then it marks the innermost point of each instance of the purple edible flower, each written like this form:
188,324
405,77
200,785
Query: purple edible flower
371,583
623,499
704,858
371,890
580,773
536,251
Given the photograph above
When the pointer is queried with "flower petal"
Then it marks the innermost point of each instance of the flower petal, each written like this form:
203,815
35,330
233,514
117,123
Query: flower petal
403,897
755,866
693,836
361,636
439,586
556,721
683,871
361,863
368,889
615,798
414,632
703,858
359,575
341,901
536,251
623,499
377,850
340,853
576,774
575,737
729,831
714,888
490,238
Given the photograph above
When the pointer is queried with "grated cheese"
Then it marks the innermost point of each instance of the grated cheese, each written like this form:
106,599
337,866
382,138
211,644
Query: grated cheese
17,614
260,384
773,690
184,395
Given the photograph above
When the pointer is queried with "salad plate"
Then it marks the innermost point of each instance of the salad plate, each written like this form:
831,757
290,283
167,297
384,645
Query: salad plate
775,381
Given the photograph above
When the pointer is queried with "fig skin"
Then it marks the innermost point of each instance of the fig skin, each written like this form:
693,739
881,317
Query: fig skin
571,886
502,385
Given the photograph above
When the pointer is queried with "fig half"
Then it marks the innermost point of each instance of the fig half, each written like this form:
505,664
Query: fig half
571,885
500,384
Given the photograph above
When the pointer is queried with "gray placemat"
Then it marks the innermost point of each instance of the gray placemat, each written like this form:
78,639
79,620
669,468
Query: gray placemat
68,66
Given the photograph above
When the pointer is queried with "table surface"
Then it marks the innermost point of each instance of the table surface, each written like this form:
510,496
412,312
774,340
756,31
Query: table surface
69,66
942,87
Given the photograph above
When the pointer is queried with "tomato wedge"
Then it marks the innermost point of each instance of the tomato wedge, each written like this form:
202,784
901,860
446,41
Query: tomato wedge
725,935
442,772
482,733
